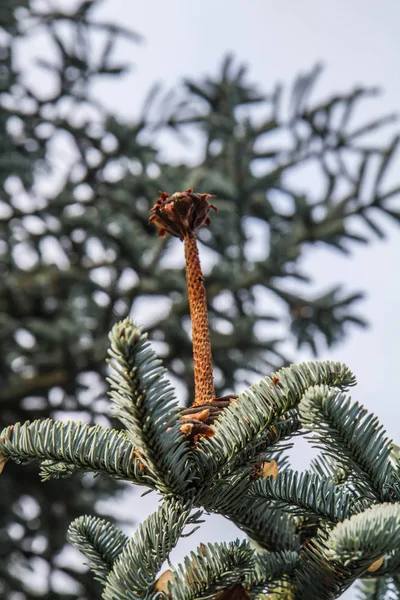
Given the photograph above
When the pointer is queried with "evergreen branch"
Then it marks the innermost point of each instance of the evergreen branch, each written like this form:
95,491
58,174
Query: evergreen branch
271,440
325,465
101,542
269,568
333,561
271,529
390,565
318,578
305,493
211,569
392,487
247,418
367,536
135,570
274,530
65,447
225,494
350,435
145,404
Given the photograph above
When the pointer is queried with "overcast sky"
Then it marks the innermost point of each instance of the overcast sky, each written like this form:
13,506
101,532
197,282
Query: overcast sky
358,42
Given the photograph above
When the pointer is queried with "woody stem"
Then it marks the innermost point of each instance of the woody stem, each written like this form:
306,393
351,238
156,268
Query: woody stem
202,357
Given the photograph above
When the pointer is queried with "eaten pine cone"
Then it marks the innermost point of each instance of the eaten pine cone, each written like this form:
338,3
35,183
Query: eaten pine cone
181,214
199,419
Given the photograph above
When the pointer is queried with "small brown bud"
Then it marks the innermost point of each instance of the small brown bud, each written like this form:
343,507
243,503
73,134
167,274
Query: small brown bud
376,564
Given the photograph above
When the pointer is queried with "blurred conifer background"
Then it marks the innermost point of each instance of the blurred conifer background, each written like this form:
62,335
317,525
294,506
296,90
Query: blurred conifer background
77,252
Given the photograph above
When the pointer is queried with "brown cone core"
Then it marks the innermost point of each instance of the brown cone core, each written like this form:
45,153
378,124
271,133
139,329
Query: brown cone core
181,215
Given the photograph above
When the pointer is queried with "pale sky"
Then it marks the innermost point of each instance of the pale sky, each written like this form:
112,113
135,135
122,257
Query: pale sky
358,42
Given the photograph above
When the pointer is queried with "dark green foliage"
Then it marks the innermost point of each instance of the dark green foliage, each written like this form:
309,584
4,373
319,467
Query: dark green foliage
134,572
106,540
77,253
45,352
272,567
211,569
307,494
352,437
73,440
136,381
334,561
309,537
260,405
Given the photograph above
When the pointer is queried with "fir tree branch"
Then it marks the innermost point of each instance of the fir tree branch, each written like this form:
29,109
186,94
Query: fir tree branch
390,566
271,529
318,578
305,493
135,570
271,567
272,440
211,569
100,541
334,560
65,447
274,530
145,404
247,418
325,465
351,436
366,536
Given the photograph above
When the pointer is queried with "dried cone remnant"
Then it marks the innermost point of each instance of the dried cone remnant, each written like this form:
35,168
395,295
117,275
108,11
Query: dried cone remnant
198,419
181,215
